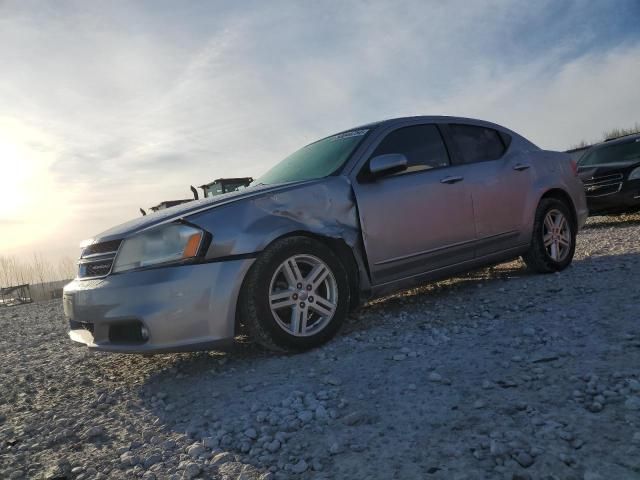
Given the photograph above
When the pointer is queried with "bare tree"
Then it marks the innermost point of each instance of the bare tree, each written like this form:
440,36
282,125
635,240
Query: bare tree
619,132
4,271
66,269
39,270
609,134
36,270
580,144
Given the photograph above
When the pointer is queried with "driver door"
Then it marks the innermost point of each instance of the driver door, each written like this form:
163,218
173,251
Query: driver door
420,219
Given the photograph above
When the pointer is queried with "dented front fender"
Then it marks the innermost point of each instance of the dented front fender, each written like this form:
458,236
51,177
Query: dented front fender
324,207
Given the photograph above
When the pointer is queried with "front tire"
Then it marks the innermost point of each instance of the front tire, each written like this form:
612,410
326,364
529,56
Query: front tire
296,295
554,237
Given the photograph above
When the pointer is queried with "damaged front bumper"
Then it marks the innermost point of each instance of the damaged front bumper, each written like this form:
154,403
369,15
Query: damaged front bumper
178,308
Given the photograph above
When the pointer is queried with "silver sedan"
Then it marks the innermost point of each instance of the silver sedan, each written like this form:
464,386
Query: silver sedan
356,215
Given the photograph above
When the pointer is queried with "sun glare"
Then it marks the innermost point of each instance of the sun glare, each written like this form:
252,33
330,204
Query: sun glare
32,205
16,169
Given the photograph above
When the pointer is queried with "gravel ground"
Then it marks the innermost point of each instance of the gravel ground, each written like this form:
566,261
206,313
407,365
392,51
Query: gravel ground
495,374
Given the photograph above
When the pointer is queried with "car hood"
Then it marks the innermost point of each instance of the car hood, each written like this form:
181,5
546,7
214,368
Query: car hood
183,210
592,171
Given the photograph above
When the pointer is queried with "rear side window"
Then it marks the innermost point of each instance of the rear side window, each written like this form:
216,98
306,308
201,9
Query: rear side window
477,144
421,144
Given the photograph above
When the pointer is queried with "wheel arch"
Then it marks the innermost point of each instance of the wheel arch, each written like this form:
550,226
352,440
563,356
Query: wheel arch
562,195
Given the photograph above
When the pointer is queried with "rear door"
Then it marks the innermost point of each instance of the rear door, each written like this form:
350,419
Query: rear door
499,181
420,219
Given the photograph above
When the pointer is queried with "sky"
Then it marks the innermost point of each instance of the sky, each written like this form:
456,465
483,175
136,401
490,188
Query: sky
106,107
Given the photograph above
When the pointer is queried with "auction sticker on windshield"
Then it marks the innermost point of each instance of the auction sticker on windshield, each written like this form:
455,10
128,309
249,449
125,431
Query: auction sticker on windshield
352,133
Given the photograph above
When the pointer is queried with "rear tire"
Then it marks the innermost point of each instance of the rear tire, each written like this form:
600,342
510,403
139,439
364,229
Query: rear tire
553,242
295,296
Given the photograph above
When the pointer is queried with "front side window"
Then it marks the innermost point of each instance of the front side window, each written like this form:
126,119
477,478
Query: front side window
621,152
316,160
477,144
421,144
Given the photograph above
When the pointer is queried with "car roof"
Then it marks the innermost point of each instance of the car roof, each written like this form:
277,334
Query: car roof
428,118
634,137
390,122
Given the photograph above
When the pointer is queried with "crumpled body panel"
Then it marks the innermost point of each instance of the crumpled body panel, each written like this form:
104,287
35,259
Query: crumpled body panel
324,207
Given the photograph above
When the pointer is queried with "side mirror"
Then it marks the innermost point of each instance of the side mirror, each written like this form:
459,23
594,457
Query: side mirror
387,164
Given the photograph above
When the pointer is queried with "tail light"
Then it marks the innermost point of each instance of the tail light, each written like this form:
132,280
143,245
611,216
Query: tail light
574,167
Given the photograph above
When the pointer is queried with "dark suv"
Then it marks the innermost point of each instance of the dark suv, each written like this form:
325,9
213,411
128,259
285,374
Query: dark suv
610,172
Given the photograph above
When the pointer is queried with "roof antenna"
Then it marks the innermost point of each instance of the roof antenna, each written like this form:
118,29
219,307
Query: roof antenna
195,192
143,212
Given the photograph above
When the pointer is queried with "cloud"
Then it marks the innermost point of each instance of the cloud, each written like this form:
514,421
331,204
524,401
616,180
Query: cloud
577,101
132,103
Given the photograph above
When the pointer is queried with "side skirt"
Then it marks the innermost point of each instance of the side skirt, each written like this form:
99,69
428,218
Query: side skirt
448,271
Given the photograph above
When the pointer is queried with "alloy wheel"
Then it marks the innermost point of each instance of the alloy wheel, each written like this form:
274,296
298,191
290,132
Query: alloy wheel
303,295
556,235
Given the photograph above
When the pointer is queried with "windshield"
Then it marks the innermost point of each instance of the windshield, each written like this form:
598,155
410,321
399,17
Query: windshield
577,154
621,152
316,160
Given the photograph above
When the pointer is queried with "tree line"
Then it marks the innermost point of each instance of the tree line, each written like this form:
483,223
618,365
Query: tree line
609,134
34,270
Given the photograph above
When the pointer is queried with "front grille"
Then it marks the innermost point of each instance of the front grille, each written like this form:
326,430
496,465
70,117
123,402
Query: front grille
101,248
603,185
97,259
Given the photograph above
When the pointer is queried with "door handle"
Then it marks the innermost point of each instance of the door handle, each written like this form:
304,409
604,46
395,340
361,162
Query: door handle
521,166
451,179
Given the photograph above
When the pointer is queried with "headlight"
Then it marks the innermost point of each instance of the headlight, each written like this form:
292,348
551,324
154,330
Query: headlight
635,174
169,243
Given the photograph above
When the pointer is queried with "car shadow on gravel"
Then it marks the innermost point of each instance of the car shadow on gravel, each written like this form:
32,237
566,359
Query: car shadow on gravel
428,294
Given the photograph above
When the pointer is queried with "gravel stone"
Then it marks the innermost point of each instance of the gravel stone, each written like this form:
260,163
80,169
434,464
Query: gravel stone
331,380
152,460
129,459
93,432
220,458
321,413
196,450
595,407
305,416
273,446
524,459
632,403
353,418
300,467
192,470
